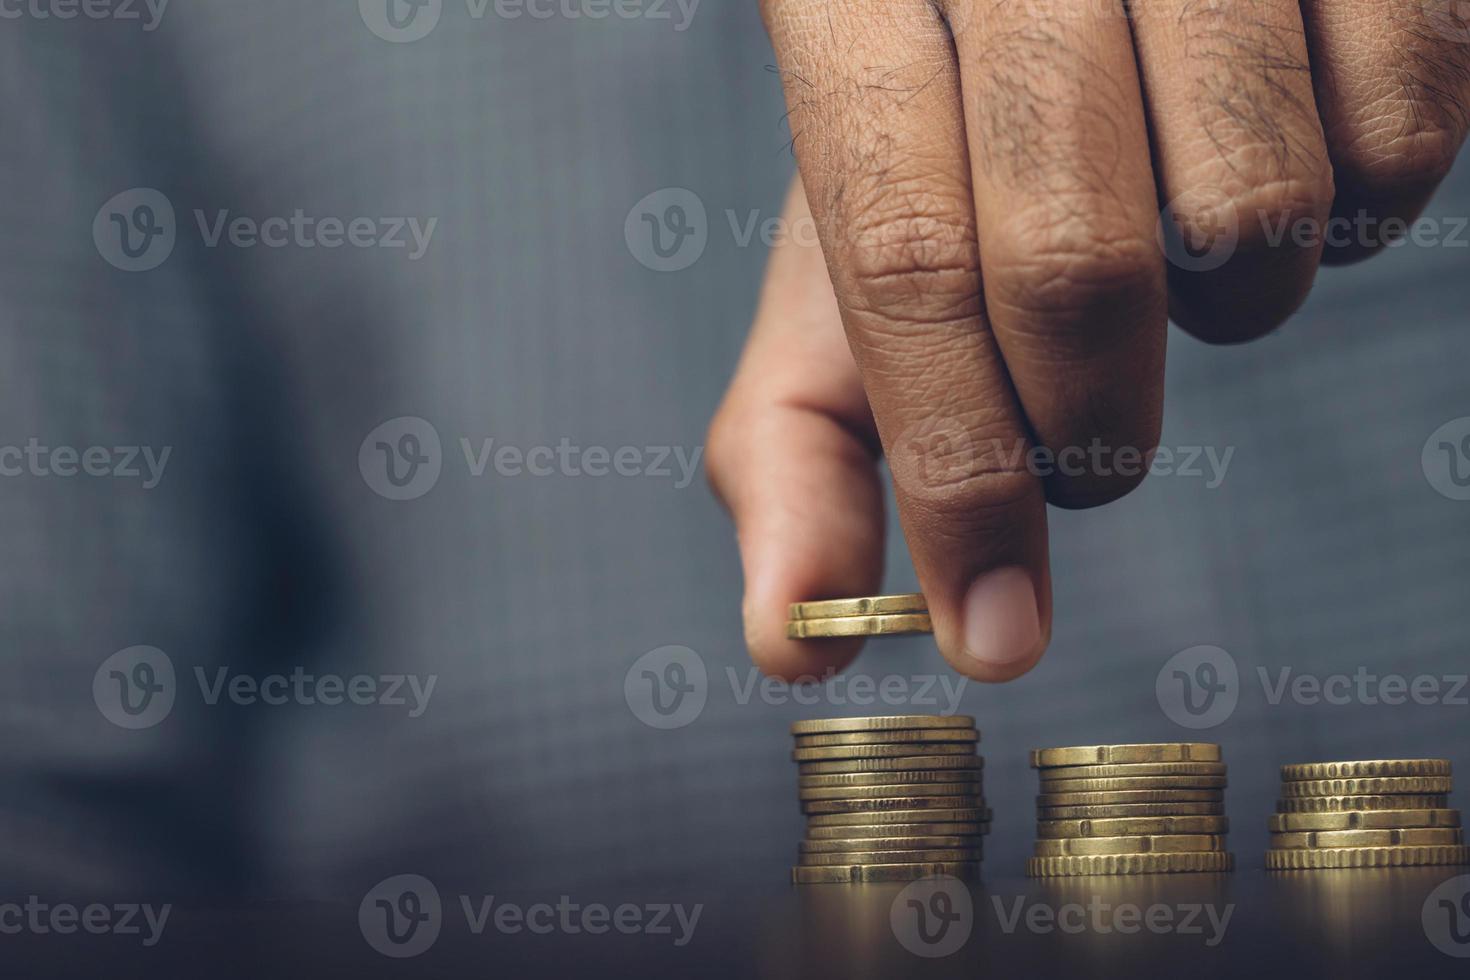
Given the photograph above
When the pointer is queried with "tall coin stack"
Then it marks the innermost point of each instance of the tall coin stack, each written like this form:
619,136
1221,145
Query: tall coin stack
1130,809
1378,813
890,798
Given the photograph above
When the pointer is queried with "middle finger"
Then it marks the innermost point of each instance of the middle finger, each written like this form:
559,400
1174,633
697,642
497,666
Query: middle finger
1067,210
1241,158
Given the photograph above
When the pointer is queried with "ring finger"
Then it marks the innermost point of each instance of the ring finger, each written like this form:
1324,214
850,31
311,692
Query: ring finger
1241,158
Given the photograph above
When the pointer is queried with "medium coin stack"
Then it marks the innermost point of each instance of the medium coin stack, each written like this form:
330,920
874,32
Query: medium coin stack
1129,810
881,615
1378,813
890,798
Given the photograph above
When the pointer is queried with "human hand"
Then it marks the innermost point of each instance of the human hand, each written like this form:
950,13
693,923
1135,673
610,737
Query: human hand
987,192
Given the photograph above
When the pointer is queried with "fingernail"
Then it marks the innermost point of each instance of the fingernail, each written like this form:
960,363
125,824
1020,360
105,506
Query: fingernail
1002,625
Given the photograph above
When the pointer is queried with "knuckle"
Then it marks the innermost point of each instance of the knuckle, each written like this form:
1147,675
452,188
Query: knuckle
1391,156
1407,125
720,448
962,460
1282,203
1066,270
915,262
982,500
1261,211
1250,211
1260,182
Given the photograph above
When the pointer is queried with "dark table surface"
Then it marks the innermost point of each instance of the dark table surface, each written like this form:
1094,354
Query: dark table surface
1319,924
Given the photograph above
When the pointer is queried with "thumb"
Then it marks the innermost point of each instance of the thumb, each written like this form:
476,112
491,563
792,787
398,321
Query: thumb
792,454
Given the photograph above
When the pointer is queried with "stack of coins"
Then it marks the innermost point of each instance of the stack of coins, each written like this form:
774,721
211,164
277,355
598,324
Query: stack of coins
890,798
1130,809
881,615
1377,813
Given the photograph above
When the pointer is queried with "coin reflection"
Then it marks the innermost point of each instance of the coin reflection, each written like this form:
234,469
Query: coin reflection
1345,908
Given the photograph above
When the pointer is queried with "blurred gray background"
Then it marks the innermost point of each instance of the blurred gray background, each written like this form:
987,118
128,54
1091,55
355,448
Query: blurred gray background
530,320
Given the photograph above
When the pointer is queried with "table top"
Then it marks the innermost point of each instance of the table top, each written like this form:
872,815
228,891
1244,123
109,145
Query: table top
1301,924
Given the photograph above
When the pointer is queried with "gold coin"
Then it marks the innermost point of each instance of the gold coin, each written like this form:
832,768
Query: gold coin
1161,844
1367,786
819,629
873,605
1130,826
1336,804
1131,796
1129,770
959,814
970,800
1129,864
1367,857
860,873
827,753
1122,810
1363,820
1372,767
968,760
1132,783
879,792
879,723
894,778
860,831
1096,755
1406,837
849,858
841,844
908,736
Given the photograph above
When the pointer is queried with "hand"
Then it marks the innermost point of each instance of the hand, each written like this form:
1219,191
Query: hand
986,188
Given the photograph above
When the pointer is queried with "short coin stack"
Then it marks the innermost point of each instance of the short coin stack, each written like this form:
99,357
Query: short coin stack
890,798
881,615
1379,813
1130,809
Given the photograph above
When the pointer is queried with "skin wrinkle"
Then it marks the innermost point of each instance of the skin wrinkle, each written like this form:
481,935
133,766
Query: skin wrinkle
1067,218
851,96
1398,125
982,506
897,242
884,140
1028,131
1438,85
908,245
1270,117
834,111
943,346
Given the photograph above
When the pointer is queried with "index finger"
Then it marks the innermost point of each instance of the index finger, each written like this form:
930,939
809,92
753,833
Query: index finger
873,92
